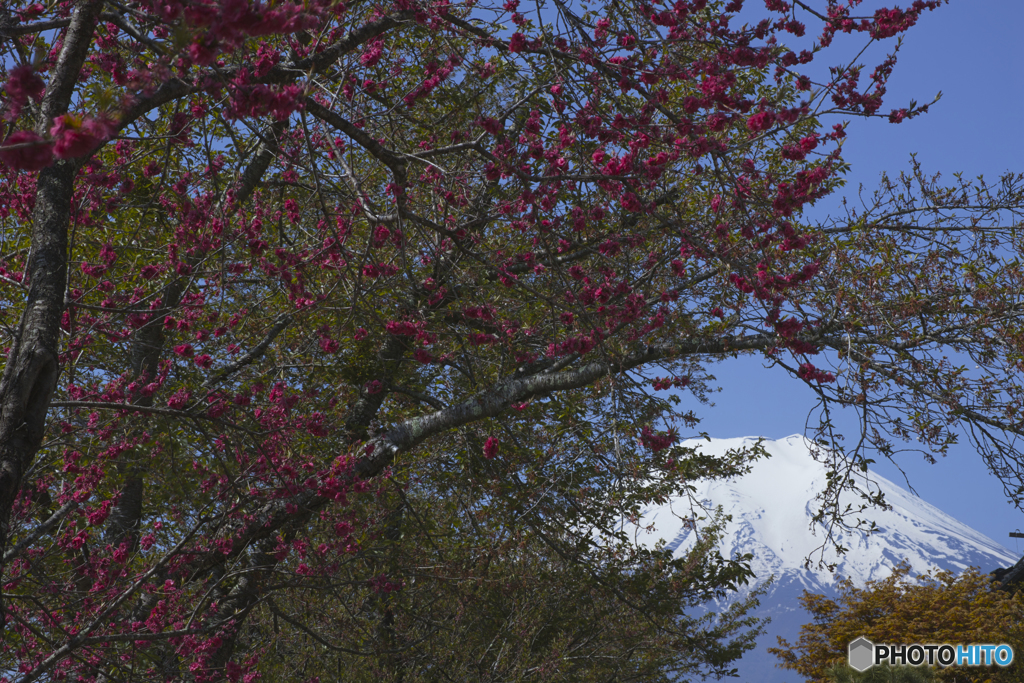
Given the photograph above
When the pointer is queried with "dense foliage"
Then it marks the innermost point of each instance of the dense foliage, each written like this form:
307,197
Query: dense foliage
936,608
883,673
348,335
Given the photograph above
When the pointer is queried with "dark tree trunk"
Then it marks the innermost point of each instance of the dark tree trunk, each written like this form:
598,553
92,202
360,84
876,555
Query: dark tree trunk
32,363
32,369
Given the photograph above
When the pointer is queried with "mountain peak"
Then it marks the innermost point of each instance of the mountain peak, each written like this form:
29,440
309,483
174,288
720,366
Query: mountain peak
772,509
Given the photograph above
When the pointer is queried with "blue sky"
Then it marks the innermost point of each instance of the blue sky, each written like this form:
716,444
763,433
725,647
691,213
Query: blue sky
970,50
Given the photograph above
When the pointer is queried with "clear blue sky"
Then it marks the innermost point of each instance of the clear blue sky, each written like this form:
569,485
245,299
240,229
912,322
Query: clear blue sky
971,50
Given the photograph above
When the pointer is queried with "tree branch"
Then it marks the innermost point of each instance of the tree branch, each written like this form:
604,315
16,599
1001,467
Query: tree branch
255,352
43,528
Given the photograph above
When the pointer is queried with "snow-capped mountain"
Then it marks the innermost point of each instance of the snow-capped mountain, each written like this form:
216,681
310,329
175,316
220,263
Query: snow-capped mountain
771,509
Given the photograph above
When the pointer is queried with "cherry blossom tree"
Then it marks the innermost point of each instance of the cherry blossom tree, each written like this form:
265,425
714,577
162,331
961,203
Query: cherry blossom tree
275,275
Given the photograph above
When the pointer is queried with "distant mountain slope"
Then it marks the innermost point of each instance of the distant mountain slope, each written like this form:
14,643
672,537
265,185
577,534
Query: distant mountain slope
771,509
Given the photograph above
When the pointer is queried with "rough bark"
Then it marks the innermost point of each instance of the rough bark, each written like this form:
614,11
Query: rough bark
32,369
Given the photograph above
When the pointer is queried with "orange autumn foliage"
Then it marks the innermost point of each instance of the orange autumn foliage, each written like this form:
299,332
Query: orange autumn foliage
937,607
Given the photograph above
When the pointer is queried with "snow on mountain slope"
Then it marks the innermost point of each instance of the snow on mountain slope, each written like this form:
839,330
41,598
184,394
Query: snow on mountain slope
771,509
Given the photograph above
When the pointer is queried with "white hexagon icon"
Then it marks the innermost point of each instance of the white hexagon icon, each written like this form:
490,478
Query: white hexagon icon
862,654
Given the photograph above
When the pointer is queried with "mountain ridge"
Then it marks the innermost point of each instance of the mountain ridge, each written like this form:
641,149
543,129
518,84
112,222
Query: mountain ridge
772,508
